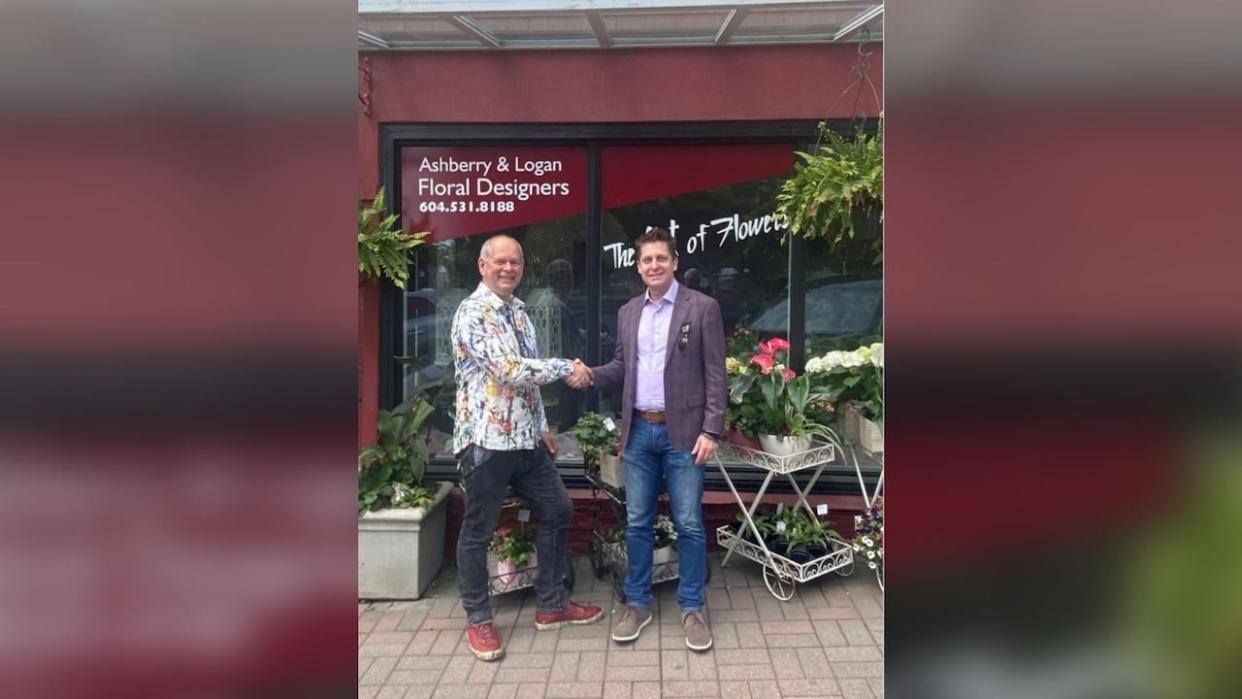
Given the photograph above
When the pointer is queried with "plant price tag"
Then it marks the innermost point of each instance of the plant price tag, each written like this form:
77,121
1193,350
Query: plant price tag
612,426
523,515
780,507
780,526
822,509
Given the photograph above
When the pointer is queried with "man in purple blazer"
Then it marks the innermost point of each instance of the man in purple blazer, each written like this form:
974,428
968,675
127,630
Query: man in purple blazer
670,364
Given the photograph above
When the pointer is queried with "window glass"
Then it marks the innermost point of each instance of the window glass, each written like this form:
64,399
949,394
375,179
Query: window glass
728,241
465,195
844,296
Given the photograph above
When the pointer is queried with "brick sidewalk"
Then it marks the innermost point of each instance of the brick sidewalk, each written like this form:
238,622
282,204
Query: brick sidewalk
825,642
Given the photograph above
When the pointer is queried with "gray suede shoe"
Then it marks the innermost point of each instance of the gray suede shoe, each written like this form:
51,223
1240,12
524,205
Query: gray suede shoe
630,624
698,635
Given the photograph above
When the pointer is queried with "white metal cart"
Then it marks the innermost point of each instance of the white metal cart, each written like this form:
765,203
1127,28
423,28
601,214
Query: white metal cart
781,574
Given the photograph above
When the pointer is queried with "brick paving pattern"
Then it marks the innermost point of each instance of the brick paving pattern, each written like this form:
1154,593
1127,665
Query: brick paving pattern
828,641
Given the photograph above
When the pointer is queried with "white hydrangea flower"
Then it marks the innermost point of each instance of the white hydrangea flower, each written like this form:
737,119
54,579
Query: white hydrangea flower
852,360
877,355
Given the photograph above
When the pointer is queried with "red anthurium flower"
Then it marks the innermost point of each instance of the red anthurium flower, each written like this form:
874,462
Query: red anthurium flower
765,361
777,344
790,375
766,349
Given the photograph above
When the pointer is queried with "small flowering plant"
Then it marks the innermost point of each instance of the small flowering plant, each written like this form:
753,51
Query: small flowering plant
516,547
853,378
665,532
785,403
869,537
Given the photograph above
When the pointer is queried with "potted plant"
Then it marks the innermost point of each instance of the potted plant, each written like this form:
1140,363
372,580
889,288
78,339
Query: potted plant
802,532
401,519
837,192
869,539
600,440
510,552
786,402
743,419
383,248
665,538
855,381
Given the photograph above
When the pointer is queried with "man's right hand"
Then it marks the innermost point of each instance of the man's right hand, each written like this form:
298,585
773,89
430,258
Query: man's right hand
581,378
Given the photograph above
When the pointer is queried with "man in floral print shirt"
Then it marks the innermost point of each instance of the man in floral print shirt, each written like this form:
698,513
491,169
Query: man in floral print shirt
501,439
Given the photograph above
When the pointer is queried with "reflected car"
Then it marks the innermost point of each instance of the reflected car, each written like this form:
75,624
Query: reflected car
841,309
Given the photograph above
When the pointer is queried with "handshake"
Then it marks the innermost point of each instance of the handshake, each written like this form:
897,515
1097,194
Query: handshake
582,376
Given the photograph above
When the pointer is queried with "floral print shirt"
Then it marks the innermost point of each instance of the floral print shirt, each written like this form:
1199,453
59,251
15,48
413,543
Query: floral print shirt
499,374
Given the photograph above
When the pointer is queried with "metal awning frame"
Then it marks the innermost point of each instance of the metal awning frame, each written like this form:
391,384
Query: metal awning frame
470,19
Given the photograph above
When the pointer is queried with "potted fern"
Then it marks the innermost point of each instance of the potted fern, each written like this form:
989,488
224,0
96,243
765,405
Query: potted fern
401,520
383,248
837,192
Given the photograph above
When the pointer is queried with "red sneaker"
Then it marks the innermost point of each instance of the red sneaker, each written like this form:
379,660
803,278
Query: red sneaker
484,641
573,614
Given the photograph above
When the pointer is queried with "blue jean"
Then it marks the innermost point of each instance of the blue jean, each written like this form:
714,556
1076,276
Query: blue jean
649,460
486,475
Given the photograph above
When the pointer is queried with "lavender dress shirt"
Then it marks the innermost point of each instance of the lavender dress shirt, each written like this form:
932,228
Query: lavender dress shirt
652,344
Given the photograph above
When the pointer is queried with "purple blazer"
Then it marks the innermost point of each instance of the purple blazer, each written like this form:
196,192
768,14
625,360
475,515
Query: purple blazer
695,389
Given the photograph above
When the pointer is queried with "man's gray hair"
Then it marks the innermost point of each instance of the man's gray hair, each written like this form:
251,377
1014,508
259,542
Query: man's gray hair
486,251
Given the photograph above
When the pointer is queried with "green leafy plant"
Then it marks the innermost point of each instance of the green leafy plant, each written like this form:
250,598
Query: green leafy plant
594,437
383,248
390,472
834,186
740,414
515,546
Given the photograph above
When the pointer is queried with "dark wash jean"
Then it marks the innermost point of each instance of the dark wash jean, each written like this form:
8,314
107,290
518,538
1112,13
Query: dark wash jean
486,475
651,459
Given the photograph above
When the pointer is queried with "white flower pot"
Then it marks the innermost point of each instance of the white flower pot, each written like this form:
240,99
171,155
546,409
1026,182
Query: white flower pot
400,551
611,470
870,436
784,445
508,575
661,555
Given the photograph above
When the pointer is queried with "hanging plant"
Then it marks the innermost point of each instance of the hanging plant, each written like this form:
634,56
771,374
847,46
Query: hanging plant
383,248
837,190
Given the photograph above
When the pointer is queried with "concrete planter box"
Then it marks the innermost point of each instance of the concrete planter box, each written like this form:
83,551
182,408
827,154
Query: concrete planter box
401,550
871,438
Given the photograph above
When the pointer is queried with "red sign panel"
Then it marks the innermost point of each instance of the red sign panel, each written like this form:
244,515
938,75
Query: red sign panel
458,191
634,174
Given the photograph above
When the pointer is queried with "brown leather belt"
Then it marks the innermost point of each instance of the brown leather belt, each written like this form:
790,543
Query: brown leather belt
651,415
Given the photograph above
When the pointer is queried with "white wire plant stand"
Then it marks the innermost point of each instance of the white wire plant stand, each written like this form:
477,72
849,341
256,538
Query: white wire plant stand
608,558
523,578
781,575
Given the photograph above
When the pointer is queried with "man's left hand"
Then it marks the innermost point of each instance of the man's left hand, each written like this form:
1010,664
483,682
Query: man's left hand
549,443
704,449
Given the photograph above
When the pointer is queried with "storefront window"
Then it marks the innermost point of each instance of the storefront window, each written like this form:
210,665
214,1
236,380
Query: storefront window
844,298
717,201
464,196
